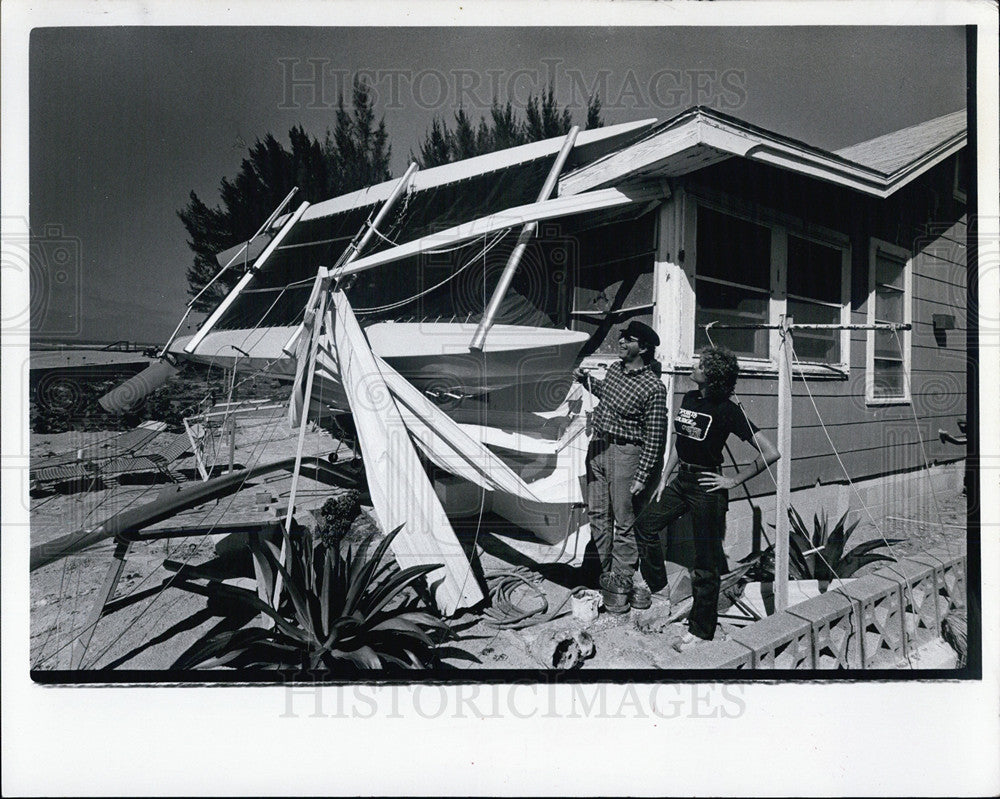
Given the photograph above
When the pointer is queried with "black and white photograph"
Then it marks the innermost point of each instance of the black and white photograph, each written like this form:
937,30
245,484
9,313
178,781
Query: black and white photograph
630,363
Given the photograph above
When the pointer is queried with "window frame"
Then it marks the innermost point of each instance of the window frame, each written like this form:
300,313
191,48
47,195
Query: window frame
958,183
780,226
894,251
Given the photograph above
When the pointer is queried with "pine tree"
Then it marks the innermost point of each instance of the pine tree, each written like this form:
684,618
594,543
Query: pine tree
355,154
594,119
503,128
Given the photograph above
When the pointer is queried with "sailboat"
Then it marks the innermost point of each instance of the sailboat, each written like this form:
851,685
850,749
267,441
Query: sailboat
456,285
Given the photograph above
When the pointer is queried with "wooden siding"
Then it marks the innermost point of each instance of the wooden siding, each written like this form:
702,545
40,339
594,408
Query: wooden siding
872,439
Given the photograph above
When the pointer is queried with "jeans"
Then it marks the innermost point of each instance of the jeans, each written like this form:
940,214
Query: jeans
611,506
708,511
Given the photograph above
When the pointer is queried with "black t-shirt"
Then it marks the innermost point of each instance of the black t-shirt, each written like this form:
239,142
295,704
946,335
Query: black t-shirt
703,425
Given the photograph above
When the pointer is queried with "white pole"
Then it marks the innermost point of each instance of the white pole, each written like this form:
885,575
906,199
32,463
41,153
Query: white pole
230,298
784,465
246,244
303,423
527,234
353,249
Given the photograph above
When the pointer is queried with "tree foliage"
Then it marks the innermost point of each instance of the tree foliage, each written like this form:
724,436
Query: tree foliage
355,154
503,128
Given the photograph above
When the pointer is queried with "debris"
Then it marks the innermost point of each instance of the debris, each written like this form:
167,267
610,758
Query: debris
586,604
562,649
660,618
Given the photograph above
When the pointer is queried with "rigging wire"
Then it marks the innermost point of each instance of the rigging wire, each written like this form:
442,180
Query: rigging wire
482,495
920,438
257,452
254,456
885,541
406,301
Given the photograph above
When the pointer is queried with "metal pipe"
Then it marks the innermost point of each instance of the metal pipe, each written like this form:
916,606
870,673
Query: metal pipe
805,326
241,251
231,297
352,250
527,233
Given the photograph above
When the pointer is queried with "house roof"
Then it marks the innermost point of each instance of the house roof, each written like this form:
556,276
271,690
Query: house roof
702,136
456,204
893,151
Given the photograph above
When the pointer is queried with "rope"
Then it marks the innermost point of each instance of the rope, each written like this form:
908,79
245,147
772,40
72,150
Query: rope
506,614
836,453
739,404
255,456
482,492
256,452
406,301
885,541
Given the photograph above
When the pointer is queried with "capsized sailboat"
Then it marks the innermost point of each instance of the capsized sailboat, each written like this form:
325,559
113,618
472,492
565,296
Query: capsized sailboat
420,290
434,356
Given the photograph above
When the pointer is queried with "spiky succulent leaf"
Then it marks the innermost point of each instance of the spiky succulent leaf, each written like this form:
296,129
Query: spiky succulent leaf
396,585
214,644
365,575
850,565
869,546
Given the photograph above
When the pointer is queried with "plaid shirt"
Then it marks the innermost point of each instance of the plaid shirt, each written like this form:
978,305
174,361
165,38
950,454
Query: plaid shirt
634,406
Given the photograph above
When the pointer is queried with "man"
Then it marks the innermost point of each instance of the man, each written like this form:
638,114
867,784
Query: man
706,418
629,431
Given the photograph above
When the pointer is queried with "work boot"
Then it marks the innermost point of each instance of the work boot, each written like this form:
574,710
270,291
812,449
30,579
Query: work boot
615,590
640,597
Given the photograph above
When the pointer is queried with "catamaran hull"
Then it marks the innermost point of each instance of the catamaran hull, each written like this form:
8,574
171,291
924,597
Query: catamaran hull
530,365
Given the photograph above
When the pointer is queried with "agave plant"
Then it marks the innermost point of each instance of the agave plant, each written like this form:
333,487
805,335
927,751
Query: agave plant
336,610
820,554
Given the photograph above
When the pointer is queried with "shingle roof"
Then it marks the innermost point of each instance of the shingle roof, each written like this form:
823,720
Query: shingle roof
895,150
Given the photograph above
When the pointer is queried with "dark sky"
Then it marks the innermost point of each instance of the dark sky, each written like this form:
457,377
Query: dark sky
125,122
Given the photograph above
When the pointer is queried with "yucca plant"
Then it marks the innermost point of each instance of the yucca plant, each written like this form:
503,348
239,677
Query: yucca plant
820,554
336,610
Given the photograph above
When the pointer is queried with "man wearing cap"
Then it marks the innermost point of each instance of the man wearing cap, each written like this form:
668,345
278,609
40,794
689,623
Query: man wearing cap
630,427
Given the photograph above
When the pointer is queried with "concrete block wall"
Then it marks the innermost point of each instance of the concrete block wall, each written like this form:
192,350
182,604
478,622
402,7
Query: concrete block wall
877,622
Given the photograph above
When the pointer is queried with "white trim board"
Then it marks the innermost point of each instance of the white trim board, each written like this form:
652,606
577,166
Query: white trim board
699,137
511,217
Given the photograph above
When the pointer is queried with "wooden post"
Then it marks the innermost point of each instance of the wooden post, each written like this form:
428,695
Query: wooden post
303,423
784,464
196,447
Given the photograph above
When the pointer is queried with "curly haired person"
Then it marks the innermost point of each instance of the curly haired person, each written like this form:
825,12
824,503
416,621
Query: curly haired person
707,416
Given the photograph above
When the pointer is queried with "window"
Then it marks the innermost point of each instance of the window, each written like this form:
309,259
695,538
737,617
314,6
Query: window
889,293
733,282
815,289
751,272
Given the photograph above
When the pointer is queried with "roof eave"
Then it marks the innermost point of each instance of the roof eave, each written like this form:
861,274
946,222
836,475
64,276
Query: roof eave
702,129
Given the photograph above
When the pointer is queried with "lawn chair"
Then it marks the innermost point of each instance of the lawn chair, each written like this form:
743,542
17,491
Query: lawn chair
149,459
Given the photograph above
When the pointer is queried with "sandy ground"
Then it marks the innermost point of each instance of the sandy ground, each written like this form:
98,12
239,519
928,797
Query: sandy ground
156,621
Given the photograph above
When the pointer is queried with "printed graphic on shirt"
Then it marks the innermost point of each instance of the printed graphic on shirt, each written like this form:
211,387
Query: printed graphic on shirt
692,424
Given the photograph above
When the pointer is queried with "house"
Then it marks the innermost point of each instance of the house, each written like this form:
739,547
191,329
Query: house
699,219
758,225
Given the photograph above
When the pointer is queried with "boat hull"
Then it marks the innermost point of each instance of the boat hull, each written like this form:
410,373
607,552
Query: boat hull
529,366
